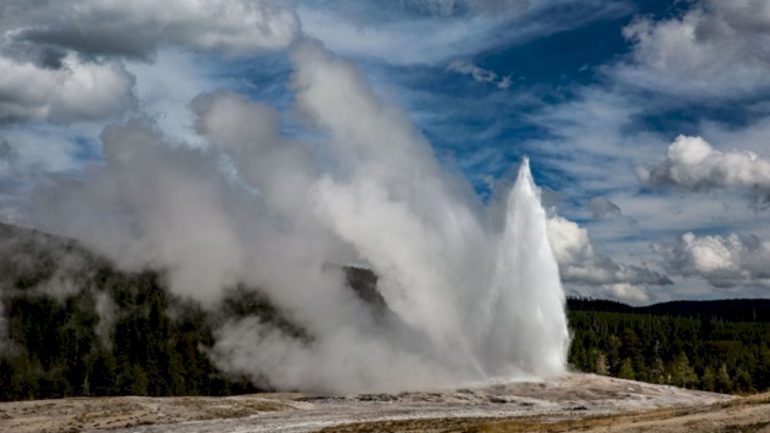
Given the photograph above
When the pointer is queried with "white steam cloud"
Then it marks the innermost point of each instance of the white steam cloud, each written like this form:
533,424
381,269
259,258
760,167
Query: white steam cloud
473,292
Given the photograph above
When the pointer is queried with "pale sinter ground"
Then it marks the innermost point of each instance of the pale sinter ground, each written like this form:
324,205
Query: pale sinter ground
574,401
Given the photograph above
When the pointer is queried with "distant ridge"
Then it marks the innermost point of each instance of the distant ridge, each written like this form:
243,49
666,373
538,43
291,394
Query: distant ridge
727,310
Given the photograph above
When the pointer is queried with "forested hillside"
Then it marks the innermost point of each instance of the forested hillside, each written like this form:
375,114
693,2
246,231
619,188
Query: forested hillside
73,325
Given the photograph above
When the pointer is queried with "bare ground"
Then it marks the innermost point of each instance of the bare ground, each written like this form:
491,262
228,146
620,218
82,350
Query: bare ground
574,402
91,414
737,416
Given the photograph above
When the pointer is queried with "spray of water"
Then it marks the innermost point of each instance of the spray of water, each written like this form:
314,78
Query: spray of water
472,291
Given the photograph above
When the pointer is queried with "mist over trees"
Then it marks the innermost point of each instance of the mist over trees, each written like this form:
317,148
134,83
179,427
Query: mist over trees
99,331
73,325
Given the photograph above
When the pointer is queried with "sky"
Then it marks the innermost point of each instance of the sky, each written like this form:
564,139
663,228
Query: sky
645,122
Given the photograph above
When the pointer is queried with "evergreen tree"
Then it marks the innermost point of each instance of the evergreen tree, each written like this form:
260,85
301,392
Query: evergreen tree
708,379
627,370
724,382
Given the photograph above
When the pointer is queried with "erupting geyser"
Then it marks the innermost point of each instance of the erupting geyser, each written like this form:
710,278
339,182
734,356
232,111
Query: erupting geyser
527,292
472,291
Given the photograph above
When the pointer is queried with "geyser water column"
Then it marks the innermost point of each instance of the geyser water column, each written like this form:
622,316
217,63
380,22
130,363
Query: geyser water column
527,325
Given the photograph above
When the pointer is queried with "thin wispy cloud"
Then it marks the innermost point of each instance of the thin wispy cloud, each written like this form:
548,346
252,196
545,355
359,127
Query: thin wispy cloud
479,74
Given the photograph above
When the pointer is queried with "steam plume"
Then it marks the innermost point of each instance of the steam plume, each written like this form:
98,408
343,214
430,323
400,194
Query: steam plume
471,294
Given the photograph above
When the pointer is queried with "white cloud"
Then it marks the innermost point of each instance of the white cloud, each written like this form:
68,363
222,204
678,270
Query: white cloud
84,62
718,49
723,261
592,273
138,28
633,294
694,164
77,91
597,143
504,83
479,74
415,41
368,29
58,58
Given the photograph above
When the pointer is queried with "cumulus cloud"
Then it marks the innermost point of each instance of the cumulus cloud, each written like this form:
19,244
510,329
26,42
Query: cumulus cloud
694,164
78,90
139,28
724,261
594,274
718,49
60,61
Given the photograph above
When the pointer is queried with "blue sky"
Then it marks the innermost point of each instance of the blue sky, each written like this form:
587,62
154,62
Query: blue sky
646,121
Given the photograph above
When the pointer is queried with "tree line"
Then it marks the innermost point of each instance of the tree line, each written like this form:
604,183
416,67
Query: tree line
685,347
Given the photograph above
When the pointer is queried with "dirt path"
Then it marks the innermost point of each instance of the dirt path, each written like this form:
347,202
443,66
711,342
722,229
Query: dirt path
535,406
